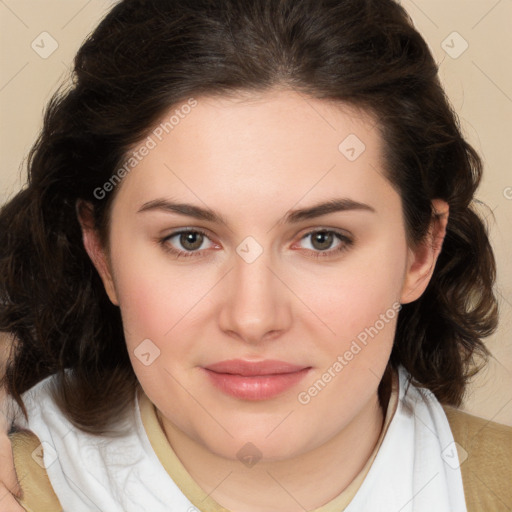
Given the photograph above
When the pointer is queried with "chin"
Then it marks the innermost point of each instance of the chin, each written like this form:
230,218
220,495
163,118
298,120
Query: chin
259,446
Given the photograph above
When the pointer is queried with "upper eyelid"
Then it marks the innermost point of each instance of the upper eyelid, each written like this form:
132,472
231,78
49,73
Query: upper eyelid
339,231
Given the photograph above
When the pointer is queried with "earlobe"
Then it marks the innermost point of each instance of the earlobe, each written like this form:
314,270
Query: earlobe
422,259
94,248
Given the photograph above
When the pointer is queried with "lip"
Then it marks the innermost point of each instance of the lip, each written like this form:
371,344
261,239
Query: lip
254,380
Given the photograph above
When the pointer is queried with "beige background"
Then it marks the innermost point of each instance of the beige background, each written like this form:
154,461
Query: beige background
477,80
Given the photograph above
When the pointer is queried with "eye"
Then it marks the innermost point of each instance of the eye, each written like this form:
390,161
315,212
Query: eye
322,241
192,243
191,240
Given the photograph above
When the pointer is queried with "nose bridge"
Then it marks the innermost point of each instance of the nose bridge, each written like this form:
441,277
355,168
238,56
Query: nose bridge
254,302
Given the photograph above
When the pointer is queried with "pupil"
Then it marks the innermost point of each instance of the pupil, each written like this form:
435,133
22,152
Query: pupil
187,240
324,238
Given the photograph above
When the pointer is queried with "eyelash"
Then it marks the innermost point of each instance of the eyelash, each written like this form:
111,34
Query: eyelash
345,244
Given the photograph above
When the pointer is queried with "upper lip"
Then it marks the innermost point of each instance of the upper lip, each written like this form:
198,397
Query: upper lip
251,368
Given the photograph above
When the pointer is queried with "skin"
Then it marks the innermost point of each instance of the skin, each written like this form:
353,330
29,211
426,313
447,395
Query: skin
252,159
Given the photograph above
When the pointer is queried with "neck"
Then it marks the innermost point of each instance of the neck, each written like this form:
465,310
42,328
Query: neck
302,483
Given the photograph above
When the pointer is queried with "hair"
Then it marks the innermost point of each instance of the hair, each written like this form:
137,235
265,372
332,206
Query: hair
147,56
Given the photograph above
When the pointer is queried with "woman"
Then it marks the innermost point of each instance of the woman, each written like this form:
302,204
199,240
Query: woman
246,273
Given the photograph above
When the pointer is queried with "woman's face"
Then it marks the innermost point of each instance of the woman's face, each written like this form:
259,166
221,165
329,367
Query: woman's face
277,280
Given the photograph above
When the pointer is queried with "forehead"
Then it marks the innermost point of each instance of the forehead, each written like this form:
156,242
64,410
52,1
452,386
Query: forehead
272,148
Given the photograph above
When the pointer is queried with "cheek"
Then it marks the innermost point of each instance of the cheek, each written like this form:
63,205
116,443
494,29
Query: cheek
162,302
359,305
352,295
157,313
151,300
154,305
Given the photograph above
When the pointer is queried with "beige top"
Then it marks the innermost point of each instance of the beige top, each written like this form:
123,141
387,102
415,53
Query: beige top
486,473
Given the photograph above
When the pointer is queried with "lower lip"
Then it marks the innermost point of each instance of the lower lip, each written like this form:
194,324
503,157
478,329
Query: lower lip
261,387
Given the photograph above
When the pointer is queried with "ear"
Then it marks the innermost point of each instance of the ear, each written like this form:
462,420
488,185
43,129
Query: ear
95,249
422,259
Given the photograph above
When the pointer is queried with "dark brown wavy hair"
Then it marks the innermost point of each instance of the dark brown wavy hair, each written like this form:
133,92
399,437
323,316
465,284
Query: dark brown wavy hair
147,56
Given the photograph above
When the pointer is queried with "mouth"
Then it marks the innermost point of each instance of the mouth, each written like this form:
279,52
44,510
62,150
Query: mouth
260,380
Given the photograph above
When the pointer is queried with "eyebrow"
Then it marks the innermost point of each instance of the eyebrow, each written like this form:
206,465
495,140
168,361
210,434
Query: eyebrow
292,217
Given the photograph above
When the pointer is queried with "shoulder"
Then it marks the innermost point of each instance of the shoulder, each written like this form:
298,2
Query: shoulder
485,455
38,494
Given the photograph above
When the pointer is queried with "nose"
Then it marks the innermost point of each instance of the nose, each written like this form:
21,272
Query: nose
256,305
